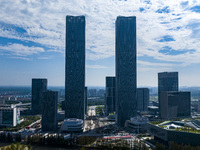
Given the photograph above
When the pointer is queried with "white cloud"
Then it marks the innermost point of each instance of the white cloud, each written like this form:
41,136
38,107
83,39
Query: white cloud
44,22
20,50
23,58
145,63
96,67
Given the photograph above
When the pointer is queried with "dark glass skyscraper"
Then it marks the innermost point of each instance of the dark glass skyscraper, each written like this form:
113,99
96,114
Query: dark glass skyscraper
125,69
38,87
167,81
175,105
143,99
110,95
75,67
49,111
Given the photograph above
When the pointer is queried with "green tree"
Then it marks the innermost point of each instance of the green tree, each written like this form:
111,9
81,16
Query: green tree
18,137
159,147
9,138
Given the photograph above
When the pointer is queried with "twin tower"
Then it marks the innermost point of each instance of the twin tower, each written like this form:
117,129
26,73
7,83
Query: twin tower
125,48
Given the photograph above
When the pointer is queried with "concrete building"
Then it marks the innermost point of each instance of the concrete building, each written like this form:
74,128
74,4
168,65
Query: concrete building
175,105
75,67
49,111
143,99
9,115
72,125
39,86
125,69
110,99
167,81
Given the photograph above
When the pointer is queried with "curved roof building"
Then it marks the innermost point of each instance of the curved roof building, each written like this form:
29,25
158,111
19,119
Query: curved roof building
72,125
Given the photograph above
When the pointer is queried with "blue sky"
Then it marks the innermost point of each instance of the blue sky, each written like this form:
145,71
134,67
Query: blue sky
32,39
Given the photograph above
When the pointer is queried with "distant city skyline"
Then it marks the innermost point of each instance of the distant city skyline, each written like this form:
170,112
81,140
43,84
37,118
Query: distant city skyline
32,42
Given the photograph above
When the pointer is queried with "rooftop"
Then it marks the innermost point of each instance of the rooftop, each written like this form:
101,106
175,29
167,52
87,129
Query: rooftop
185,125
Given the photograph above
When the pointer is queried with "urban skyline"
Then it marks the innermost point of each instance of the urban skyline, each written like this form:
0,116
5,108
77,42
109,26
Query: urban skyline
33,45
112,117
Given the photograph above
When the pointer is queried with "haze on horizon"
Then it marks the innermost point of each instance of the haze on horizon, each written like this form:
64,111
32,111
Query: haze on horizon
32,39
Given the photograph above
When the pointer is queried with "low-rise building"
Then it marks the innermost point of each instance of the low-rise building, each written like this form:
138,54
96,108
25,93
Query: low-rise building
186,132
9,115
72,125
137,124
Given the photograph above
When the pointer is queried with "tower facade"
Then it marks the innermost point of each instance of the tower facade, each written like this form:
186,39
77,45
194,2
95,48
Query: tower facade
39,86
167,81
175,104
125,69
75,67
110,99
143,99
86,101
49,111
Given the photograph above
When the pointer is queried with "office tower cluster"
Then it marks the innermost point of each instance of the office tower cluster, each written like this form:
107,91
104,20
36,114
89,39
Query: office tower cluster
122,95
172,103
75,101
121,90
44,102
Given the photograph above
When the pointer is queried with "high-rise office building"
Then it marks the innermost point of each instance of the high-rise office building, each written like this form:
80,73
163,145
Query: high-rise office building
110,99
167,81
143,99
86,101
175,104
125,69
38,87
75,67
49,111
